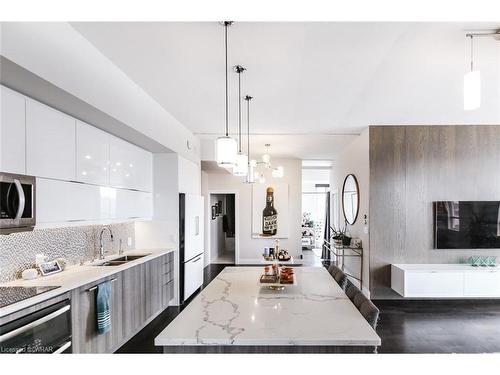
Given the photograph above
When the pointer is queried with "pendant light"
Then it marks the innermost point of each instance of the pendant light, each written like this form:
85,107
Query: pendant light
472,83
250,179
241,165
226,147
266,158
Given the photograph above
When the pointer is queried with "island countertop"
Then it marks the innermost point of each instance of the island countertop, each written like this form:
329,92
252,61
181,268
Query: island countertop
234,309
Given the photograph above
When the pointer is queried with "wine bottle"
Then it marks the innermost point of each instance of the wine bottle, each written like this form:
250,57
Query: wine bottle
269,215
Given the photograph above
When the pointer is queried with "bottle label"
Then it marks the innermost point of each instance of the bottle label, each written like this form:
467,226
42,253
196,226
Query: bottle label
270,223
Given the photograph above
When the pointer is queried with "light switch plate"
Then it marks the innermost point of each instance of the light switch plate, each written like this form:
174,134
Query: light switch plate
129,241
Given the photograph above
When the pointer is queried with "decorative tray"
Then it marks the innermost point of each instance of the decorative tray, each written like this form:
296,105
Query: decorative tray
273,281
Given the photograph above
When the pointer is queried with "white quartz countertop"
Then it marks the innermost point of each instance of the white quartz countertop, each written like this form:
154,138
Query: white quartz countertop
75,276
234,309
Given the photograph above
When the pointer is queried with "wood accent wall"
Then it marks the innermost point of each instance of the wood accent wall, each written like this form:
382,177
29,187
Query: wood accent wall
412,166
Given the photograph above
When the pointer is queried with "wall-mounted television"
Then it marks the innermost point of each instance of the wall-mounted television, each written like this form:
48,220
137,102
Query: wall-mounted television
467,225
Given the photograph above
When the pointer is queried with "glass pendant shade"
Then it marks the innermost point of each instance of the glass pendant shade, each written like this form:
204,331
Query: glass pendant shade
472,90
240,168
266,158
226,150
250,178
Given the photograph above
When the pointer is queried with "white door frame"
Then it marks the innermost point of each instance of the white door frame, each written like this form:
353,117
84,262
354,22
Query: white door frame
236,222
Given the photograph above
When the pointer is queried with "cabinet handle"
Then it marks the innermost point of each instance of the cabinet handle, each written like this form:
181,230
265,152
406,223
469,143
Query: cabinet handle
95,286
194,261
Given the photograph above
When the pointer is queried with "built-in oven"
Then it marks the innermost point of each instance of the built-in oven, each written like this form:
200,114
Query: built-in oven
17,203
45,331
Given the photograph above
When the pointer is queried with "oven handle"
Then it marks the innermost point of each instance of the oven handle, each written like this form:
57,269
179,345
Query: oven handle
22,199
33,324
63,347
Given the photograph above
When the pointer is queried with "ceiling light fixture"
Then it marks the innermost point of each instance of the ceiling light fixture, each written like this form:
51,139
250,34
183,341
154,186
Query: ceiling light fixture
472,79
241,166
250,179
226,147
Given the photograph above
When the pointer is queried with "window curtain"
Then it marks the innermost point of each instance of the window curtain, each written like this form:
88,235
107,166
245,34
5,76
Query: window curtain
325,254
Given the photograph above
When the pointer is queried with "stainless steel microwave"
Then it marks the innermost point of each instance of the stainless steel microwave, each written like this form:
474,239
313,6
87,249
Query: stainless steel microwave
17,203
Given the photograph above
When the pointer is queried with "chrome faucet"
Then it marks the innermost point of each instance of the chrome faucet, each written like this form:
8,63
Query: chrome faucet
101,246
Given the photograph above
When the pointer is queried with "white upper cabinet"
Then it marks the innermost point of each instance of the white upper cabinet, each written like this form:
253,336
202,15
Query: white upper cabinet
130,166
50,142
92,155
12,132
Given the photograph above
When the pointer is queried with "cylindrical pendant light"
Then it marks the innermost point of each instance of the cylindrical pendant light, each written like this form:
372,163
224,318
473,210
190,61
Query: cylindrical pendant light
250,179
240,167
226,147
472,83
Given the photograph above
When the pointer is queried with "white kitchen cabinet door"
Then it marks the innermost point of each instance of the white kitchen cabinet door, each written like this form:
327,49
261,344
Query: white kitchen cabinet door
485,283
133,204
62,201
434,284
12,132
193,275
144,176
50,142
130,166
92,155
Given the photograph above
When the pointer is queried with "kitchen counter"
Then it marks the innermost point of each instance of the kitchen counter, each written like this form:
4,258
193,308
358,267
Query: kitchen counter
75,276
235,310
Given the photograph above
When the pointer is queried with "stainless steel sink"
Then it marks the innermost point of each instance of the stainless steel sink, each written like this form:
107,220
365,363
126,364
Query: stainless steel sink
121,260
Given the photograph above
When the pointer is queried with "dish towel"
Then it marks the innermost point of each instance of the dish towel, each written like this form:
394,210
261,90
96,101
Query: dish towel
103,307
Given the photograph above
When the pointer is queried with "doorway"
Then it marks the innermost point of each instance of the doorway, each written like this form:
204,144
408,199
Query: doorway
222,228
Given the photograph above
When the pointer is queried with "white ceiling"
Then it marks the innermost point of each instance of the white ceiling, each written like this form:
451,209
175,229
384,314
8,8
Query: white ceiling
308,79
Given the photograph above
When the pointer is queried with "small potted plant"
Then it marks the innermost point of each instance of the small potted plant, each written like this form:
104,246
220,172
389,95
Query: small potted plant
340,237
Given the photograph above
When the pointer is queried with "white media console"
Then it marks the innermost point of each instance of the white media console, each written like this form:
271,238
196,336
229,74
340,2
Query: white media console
445,281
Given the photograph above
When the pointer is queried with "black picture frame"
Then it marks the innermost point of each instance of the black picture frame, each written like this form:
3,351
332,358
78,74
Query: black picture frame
214,212
219,207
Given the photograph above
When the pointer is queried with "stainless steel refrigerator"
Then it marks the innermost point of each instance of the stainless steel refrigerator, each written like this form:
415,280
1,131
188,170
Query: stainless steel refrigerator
191,244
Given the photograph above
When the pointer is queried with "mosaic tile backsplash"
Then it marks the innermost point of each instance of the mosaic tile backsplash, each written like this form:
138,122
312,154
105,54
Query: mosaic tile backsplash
74,244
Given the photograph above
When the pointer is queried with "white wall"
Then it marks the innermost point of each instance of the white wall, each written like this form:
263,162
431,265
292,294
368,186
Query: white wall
355,159
250,249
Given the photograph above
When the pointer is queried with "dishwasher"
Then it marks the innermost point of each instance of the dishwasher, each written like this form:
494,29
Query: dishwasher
47,331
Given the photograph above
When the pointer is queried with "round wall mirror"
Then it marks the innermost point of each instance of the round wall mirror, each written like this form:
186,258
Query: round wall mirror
350,199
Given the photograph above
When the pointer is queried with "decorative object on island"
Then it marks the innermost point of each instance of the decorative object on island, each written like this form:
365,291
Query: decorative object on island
269,215
275,278
226,147
350,199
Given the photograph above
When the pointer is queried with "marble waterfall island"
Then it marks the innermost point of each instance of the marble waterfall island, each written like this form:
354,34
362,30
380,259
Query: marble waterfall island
236,314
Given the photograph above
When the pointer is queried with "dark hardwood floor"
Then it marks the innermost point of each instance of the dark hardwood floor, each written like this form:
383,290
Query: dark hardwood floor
452,326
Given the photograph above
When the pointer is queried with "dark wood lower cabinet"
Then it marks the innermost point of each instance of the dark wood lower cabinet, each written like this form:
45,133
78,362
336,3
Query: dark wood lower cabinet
139,293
